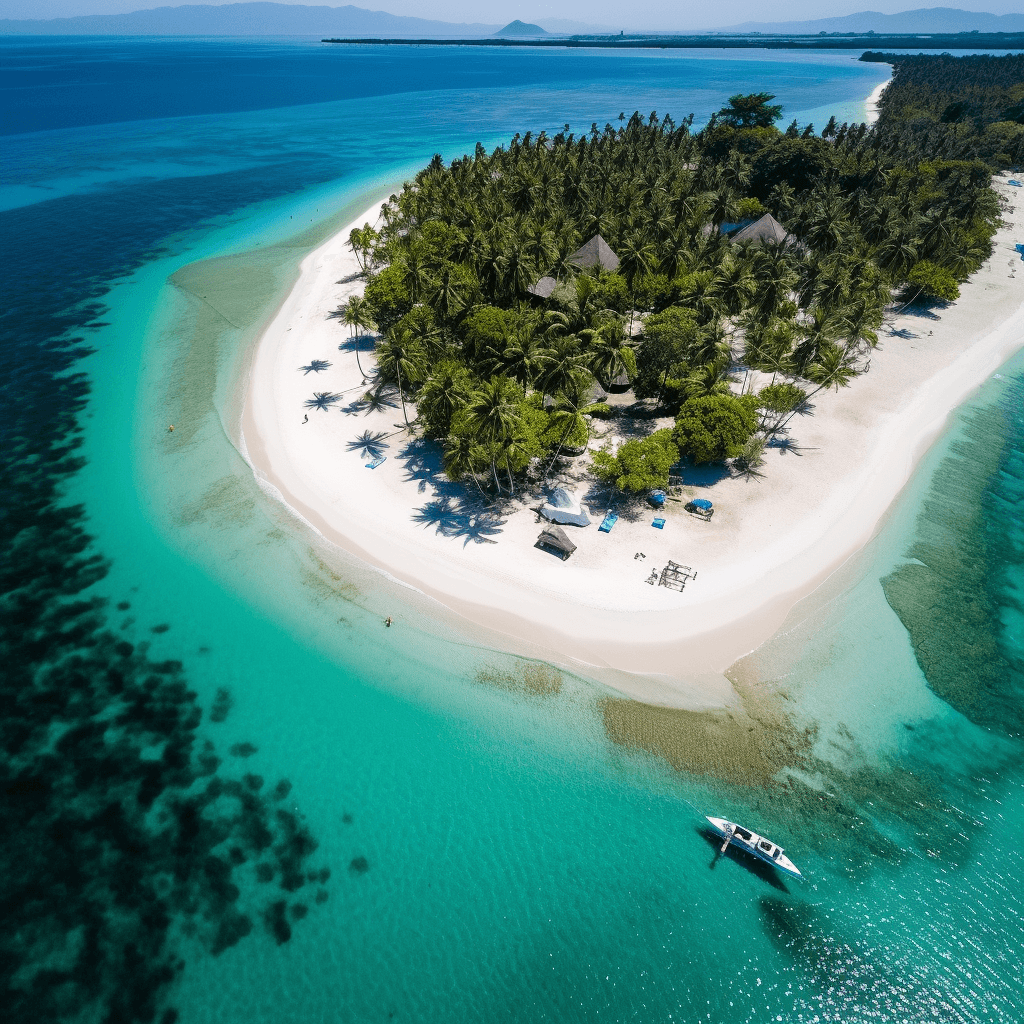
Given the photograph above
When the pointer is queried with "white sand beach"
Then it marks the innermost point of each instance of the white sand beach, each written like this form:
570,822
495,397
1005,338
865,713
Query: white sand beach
871,103
773,539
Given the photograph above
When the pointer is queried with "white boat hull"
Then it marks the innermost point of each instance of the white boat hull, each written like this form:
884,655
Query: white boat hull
755,845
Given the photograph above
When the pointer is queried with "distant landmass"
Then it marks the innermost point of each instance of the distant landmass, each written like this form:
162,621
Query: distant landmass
521,28
270,19
251,19
927,19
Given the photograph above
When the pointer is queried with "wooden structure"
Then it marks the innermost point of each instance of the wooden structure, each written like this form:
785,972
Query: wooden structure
674,576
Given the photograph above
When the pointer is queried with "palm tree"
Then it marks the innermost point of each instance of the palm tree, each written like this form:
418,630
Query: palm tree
493,414
401,355
443,393
558,363
571,399
463,455
822,329
609,355
356,313
637,258
709,379
448,295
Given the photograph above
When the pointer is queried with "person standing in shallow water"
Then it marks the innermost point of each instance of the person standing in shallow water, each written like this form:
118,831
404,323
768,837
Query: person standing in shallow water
387,622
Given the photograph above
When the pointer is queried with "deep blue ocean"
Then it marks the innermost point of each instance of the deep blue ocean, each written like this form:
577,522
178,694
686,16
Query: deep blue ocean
496,852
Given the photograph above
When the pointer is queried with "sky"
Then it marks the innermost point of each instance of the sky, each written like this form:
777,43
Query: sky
642,14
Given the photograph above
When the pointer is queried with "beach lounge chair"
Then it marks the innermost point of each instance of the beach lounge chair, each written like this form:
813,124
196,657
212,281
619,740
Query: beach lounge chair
376,462
608,522
1015,183
659,523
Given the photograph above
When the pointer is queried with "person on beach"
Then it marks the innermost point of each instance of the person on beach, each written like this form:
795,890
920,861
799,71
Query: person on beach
305,419
387,622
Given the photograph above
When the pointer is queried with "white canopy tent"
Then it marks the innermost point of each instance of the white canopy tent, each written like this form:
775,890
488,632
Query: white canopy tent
564,507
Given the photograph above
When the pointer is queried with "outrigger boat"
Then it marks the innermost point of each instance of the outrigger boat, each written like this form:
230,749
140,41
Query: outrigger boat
754,844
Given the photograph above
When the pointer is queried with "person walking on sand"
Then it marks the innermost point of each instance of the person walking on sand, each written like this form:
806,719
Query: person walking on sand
305,419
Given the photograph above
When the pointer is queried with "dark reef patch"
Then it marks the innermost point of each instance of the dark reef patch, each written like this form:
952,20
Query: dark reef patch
123,851
952,597
242,750
223,702
359,865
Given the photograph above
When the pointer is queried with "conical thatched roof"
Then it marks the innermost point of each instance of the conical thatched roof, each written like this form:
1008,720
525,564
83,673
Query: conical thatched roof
595,253
767,229
543,288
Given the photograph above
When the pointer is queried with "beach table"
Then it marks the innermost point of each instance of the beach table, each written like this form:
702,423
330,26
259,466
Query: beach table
376,462
608,522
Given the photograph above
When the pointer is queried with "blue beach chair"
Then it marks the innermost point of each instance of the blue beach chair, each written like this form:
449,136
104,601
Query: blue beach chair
376,462
1015,183
659,523
608,522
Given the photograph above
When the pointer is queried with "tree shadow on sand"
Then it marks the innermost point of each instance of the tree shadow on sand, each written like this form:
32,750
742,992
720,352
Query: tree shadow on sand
455,517
370,444
378,399
790,445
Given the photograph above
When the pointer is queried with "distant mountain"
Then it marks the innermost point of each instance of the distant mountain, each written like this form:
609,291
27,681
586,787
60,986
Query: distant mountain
927,19
520,28
249,19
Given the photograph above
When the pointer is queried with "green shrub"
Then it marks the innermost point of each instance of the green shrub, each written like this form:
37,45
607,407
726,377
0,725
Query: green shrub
714,428
639,465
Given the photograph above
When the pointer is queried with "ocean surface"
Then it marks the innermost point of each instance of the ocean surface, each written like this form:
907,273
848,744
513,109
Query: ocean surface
505,842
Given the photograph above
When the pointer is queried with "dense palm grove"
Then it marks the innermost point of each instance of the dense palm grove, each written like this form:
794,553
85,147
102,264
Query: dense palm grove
955,107
504,380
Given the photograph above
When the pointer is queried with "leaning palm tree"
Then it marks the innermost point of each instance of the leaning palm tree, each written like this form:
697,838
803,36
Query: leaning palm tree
567,414
401,356
356,313
494,415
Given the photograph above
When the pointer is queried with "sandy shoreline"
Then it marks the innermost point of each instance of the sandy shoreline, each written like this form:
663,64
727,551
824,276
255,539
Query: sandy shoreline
871,103
772,542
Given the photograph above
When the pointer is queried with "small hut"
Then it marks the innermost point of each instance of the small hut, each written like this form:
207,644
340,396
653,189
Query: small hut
554,539
767,229
595,253
543,288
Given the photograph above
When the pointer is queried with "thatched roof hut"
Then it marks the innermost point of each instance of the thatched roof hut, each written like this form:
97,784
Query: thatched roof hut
767,229
543,288
595,253
554,539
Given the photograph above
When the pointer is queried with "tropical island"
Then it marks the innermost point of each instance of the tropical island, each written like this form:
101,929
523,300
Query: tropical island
603,321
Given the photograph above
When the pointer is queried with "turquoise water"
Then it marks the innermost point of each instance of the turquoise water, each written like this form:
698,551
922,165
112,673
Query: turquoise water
497,853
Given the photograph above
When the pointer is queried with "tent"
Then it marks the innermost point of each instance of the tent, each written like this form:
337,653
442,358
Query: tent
564,507
553,538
